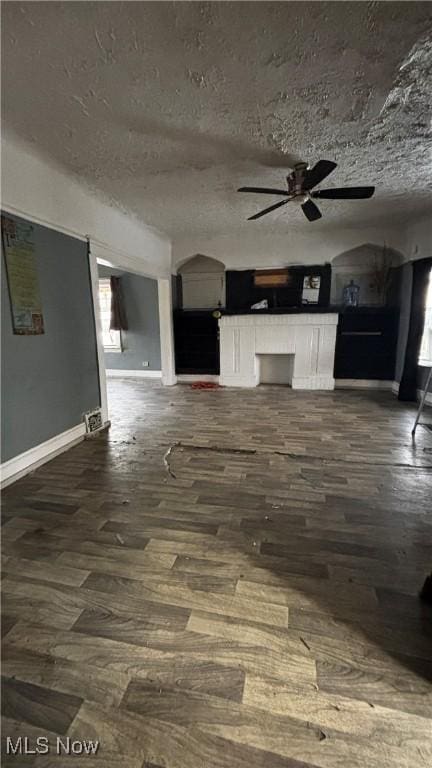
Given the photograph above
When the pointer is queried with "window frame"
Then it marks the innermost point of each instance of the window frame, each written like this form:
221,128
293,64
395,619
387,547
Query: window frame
104,296
425,355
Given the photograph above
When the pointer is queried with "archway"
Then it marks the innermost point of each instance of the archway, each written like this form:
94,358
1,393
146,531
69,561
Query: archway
371,267
203,282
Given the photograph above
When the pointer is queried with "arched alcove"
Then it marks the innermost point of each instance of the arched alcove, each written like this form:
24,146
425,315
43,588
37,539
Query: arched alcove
371,266
203,282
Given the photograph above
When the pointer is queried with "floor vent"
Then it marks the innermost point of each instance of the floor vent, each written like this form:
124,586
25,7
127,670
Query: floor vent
93,420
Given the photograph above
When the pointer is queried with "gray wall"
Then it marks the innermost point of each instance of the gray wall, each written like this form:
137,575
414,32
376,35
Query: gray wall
49,381
142,340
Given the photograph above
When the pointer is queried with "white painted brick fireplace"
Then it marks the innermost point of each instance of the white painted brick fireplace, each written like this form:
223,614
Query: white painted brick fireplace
309,337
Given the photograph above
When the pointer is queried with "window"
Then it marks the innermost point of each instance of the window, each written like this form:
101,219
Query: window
426,345
111,339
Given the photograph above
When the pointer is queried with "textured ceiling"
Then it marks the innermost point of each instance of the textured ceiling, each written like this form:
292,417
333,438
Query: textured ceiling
166,108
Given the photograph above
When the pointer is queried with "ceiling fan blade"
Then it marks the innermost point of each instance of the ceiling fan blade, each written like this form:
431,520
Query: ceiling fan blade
311,211
267,210
319,172
344,193
264,190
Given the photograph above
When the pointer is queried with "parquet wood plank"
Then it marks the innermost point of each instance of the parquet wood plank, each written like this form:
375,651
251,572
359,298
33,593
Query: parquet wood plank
85,681
170,745
259,610
38,706
338,713
282,735
179,595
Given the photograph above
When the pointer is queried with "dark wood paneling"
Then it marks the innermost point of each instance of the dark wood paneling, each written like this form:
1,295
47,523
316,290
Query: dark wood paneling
241,292
196,342
366,344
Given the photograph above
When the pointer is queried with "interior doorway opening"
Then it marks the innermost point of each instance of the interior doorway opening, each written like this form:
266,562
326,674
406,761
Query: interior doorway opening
128,307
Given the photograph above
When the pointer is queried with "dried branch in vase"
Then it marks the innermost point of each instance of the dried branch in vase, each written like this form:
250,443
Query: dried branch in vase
381,273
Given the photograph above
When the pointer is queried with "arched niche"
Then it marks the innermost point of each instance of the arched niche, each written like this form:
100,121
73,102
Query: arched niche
203,282
372,267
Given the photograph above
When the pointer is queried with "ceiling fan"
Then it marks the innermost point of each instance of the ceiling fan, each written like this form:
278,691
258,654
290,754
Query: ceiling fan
299,185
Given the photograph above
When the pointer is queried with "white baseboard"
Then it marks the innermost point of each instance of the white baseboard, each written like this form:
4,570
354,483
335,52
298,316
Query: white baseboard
26,462
363,384
138,374
318,382
189,378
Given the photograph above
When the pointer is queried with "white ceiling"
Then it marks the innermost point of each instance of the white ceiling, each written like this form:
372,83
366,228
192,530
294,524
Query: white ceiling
166,108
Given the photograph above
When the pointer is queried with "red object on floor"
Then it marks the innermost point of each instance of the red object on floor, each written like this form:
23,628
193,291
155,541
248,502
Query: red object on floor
205,385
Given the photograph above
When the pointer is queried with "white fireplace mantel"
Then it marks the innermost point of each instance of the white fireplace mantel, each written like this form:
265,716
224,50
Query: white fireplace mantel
309,337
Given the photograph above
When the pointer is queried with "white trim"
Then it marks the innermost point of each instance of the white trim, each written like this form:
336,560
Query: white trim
364,384
189,378
114,350
94,279
26,462
118,259
135,374
43,222
319,382
237,381
295,318
166,331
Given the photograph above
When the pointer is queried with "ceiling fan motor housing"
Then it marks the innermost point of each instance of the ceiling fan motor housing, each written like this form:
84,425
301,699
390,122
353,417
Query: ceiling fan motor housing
296,179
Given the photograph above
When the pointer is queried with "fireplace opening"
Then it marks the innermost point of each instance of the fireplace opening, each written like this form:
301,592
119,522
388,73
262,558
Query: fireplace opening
275,369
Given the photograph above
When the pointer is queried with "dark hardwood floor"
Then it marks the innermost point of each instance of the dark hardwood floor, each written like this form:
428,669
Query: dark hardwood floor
257,610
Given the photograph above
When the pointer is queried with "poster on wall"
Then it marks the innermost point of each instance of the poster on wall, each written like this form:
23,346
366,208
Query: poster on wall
311,289
22,277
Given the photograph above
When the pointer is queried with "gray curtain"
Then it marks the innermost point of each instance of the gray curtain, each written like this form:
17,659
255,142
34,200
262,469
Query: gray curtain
118,320
408,385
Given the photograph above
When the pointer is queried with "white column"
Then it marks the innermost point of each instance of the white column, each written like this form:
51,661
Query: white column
166,331
94,277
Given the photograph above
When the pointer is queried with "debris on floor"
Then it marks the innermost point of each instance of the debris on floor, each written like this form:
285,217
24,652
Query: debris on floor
205,385
166,459
324,460
218,449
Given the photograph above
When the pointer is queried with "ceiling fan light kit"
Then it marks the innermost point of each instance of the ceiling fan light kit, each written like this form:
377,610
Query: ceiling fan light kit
299,190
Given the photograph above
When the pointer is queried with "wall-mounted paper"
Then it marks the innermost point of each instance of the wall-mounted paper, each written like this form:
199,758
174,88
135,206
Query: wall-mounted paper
311,289
23,282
